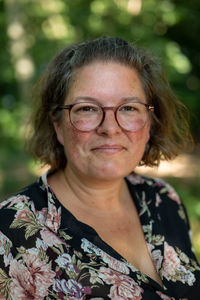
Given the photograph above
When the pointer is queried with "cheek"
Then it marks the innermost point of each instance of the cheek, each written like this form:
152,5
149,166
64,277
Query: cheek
146,132
141,137
75,142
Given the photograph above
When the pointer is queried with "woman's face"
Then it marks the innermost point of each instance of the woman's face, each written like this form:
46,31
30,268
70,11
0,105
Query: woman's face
108,152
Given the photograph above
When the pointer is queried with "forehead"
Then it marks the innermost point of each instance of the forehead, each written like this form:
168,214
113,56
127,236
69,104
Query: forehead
106,81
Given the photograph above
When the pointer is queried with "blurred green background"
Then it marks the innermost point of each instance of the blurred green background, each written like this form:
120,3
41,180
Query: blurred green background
33,31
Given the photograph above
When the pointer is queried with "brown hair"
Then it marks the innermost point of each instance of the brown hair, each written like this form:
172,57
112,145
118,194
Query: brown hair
169,129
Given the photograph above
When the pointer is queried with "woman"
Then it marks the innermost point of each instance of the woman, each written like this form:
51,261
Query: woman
91,228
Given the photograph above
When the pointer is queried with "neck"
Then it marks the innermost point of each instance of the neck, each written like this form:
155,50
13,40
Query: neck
94,194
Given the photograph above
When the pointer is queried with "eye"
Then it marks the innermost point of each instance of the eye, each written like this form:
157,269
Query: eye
128,108
85,108
88,108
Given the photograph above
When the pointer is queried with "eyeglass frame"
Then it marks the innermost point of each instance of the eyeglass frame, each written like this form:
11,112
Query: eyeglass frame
150,107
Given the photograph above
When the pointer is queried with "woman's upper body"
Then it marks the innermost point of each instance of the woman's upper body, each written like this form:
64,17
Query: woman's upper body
104,109
47,253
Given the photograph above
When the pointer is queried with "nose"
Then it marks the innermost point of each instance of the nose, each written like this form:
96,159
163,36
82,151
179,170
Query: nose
109,125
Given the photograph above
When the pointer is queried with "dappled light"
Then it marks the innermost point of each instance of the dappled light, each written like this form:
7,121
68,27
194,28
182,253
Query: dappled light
24,68
177,59
131,6
134,7
56,28
15,30
52,6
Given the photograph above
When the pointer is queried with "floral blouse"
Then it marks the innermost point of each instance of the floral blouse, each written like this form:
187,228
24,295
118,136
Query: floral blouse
46,253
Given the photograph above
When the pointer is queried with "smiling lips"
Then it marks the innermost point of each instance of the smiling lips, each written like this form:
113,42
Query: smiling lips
109,148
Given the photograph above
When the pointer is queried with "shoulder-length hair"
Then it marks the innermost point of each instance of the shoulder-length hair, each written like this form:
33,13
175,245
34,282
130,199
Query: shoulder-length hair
169,133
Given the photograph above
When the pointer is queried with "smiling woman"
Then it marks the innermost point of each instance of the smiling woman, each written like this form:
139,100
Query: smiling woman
98,229
87,149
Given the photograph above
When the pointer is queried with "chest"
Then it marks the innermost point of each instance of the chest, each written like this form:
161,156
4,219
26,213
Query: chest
125,235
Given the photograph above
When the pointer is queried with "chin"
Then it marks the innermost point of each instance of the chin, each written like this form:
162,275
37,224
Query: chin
110,174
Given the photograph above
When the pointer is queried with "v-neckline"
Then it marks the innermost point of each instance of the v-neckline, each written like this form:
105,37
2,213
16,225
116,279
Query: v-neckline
81,229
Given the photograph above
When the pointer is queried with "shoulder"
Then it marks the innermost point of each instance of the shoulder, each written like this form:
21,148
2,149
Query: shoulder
160,196
23,218
166,208
33,192
20,208
155,185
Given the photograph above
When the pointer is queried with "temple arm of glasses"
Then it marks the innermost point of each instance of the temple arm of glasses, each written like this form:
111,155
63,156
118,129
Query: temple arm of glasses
150,107
64,107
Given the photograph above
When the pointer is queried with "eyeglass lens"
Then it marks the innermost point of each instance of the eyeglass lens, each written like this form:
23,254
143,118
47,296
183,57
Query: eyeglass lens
88,116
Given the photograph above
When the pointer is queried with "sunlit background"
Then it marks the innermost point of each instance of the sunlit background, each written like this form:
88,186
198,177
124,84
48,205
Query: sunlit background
33,31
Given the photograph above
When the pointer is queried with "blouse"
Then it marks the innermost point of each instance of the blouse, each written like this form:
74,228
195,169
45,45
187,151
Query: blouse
46,253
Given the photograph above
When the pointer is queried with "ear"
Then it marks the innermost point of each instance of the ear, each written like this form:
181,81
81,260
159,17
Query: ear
59,132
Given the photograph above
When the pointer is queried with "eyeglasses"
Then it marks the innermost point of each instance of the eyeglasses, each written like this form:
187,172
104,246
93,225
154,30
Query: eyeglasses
86,116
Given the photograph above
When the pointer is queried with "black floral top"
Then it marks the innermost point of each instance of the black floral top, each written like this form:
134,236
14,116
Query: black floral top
46,253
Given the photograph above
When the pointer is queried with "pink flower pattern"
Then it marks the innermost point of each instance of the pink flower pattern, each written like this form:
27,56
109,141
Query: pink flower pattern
44,264
42,215
30,280
14,200
50,238
23,214
174,196
53,217
171,261
156,256
135,179
71,288
123,287
114,263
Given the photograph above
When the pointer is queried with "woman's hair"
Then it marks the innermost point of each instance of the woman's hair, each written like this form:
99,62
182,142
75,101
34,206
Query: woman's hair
169,129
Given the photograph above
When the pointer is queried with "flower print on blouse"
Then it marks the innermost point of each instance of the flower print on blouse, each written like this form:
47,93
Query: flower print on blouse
46,253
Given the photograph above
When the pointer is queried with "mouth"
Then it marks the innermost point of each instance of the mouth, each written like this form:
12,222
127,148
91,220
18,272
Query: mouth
109,148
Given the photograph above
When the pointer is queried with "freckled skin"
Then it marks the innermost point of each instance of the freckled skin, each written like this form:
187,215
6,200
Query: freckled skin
108,83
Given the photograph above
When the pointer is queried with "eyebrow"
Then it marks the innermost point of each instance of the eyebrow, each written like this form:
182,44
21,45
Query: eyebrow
123,100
